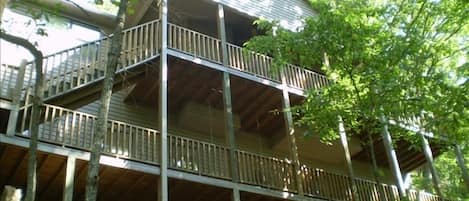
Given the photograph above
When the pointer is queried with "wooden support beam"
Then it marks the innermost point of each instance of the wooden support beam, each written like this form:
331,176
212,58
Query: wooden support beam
429,157
229,125
69,179
236,195
392,157
13,118
291,135
163,103
348,159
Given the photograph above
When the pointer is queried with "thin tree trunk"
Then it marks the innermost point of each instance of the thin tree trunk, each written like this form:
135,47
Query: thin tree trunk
462,165
375,166
36,113
106,92
3,5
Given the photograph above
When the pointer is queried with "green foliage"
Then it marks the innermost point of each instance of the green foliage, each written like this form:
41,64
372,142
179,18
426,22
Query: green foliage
397,58
452,184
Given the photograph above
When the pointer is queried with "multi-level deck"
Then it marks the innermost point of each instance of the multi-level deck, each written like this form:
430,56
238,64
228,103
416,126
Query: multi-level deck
72,79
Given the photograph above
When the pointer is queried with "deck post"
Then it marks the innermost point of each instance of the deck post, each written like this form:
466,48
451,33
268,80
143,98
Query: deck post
236,196
69,179
429,157
163,103
462,164
348,159
392,157
291,134
229,127
16,97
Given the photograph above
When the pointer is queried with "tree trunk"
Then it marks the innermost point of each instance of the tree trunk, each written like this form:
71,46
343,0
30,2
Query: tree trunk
374,163
3,5
106,92
36,112
462,165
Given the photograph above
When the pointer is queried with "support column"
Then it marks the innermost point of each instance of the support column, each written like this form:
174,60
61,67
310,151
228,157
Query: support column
348,159
236,196
392,157
16,97
163,103
229,127
429,157
291,134
69,179
462,165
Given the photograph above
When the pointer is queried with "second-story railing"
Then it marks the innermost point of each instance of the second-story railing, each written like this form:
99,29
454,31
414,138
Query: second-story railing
75,129
81,65
78,66
194,43
259,65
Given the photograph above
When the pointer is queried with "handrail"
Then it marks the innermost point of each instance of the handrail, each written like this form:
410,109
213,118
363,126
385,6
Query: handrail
75,129
80,65
266,171
194,43
241,59
251,62
198,157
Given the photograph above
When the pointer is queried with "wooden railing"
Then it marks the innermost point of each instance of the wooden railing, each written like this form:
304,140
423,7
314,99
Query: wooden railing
241,59
8,80
323,184
78,66
266,171
251,62
194,43
423,196
75,129
304,79
198,157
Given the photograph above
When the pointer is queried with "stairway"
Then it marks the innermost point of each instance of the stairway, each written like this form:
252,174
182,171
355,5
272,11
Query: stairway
70,74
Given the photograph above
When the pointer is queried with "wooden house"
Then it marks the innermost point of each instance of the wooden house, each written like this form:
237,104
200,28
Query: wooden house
226,132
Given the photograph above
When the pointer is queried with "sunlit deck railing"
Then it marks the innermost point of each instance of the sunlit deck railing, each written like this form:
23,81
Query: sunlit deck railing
241,59
78,66
75,67
75,129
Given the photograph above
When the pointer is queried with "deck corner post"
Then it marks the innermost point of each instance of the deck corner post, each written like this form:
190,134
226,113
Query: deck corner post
429,157
288,117
16,97
348,159
227,101
69,179
163,103
392,157
236,195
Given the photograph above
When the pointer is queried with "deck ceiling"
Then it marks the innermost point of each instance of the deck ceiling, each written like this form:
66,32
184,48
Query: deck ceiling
258,106
409,158
115,184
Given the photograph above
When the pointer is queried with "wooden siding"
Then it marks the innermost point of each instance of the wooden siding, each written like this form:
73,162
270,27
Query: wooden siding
288,12
252,142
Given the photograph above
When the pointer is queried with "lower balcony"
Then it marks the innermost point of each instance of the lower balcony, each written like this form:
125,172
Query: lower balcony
75,129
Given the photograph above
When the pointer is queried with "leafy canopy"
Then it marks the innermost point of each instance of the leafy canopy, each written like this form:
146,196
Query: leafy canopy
398,58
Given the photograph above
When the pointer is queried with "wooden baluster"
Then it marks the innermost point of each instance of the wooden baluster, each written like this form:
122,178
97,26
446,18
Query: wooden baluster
197,43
